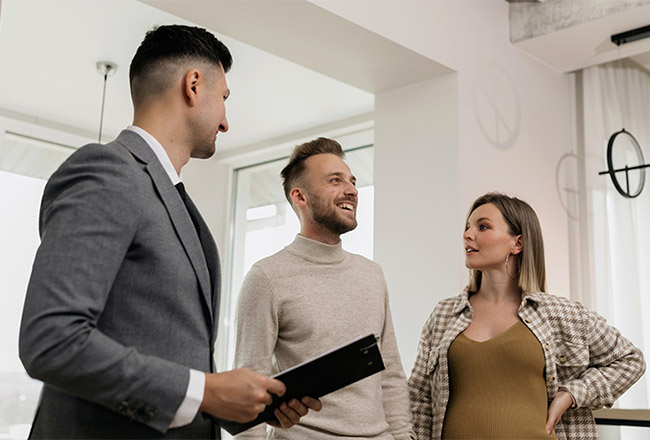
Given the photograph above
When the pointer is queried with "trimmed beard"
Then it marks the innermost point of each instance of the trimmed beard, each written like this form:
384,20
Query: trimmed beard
327,217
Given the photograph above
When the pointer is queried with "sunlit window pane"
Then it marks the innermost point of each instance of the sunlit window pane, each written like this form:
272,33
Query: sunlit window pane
20,198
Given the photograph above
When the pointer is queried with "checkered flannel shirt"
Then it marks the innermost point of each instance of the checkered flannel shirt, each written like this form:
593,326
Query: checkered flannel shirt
583,355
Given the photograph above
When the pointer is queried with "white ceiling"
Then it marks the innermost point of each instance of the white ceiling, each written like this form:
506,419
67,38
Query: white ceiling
49,48
305,33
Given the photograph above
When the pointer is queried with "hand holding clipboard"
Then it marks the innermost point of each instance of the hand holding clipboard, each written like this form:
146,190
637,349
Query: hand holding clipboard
320,376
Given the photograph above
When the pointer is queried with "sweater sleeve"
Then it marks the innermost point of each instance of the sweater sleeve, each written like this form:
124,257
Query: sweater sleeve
393,382
257,331
420,385
615,364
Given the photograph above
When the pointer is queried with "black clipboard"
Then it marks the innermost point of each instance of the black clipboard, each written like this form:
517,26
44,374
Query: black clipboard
322,375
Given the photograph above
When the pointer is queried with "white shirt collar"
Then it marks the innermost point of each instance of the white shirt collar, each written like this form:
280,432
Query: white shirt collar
159,151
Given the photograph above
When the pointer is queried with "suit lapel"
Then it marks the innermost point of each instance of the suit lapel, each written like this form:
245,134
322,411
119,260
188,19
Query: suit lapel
212,258
177,212
184,227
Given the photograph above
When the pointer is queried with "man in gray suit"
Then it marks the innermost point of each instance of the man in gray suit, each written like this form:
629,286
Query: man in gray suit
121,311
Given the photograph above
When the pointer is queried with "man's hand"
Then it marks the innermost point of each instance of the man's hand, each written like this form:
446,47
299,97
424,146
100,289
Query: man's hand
239,395
289,414
561,402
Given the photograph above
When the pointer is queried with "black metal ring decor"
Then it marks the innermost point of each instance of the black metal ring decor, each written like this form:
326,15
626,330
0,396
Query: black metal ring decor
612,172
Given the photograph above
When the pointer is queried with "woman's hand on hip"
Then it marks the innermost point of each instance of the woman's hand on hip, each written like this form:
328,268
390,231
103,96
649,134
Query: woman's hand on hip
561,402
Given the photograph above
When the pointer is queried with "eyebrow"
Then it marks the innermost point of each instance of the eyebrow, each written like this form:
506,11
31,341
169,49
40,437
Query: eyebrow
340,174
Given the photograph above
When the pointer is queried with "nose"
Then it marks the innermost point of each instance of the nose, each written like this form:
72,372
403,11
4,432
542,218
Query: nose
351,190
223,127
467,235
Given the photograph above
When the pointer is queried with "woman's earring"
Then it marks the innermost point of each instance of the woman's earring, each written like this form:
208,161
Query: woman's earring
508,273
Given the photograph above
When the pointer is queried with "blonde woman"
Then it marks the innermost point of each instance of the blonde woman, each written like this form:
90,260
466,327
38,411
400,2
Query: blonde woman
504,359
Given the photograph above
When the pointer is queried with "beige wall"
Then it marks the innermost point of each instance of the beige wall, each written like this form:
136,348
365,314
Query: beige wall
416,201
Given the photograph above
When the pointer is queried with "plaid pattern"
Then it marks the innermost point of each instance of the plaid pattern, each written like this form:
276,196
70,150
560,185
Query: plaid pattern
583,355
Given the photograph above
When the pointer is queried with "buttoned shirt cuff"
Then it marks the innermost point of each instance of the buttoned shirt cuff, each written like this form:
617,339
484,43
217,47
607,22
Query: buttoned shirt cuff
193,397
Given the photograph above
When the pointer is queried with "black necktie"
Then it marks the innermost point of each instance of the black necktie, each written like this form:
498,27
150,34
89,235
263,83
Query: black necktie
201,231
181,190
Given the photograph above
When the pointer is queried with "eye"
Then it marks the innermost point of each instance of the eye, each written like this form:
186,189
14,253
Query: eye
482,227
335,180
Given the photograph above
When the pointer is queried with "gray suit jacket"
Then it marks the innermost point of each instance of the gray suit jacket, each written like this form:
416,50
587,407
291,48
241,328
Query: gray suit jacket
119,305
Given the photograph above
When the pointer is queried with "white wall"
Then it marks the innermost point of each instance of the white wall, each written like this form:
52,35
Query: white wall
208,183
416,201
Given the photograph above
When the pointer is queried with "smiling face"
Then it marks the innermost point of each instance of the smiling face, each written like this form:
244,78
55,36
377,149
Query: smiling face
330,194
210,117
488,240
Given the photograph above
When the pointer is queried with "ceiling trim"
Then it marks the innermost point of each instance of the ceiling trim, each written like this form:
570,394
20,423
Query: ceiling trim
277,147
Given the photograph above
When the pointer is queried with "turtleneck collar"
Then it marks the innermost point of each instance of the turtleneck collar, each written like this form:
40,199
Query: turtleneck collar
316,251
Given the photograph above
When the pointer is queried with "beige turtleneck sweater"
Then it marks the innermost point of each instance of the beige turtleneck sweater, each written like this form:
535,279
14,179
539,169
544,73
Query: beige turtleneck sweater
308,299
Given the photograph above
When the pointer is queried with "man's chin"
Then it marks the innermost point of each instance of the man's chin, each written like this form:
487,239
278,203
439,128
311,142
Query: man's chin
203,154
336,223
349,227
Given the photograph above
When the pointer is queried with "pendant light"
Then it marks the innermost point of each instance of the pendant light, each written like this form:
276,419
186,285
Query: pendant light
106,69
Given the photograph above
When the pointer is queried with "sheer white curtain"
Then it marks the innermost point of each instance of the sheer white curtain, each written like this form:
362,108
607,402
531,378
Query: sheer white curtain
615,231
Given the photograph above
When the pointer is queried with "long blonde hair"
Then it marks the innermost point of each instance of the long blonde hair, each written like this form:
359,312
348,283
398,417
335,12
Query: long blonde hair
521,220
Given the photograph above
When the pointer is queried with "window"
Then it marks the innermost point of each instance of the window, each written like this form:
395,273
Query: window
25,165
609,232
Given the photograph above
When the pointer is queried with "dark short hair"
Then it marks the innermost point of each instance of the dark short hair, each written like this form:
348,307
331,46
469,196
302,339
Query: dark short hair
176,43
292,172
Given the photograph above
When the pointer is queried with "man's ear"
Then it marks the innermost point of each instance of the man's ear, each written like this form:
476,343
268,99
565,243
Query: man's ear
518,245
298,197
191,86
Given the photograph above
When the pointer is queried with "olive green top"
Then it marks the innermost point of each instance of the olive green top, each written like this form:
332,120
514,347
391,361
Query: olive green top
497,387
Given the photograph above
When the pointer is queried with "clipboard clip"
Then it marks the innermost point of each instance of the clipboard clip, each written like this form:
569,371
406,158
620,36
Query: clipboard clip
365,349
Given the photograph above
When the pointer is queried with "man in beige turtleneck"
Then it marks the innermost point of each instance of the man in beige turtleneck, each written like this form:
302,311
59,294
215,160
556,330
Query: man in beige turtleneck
312,296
